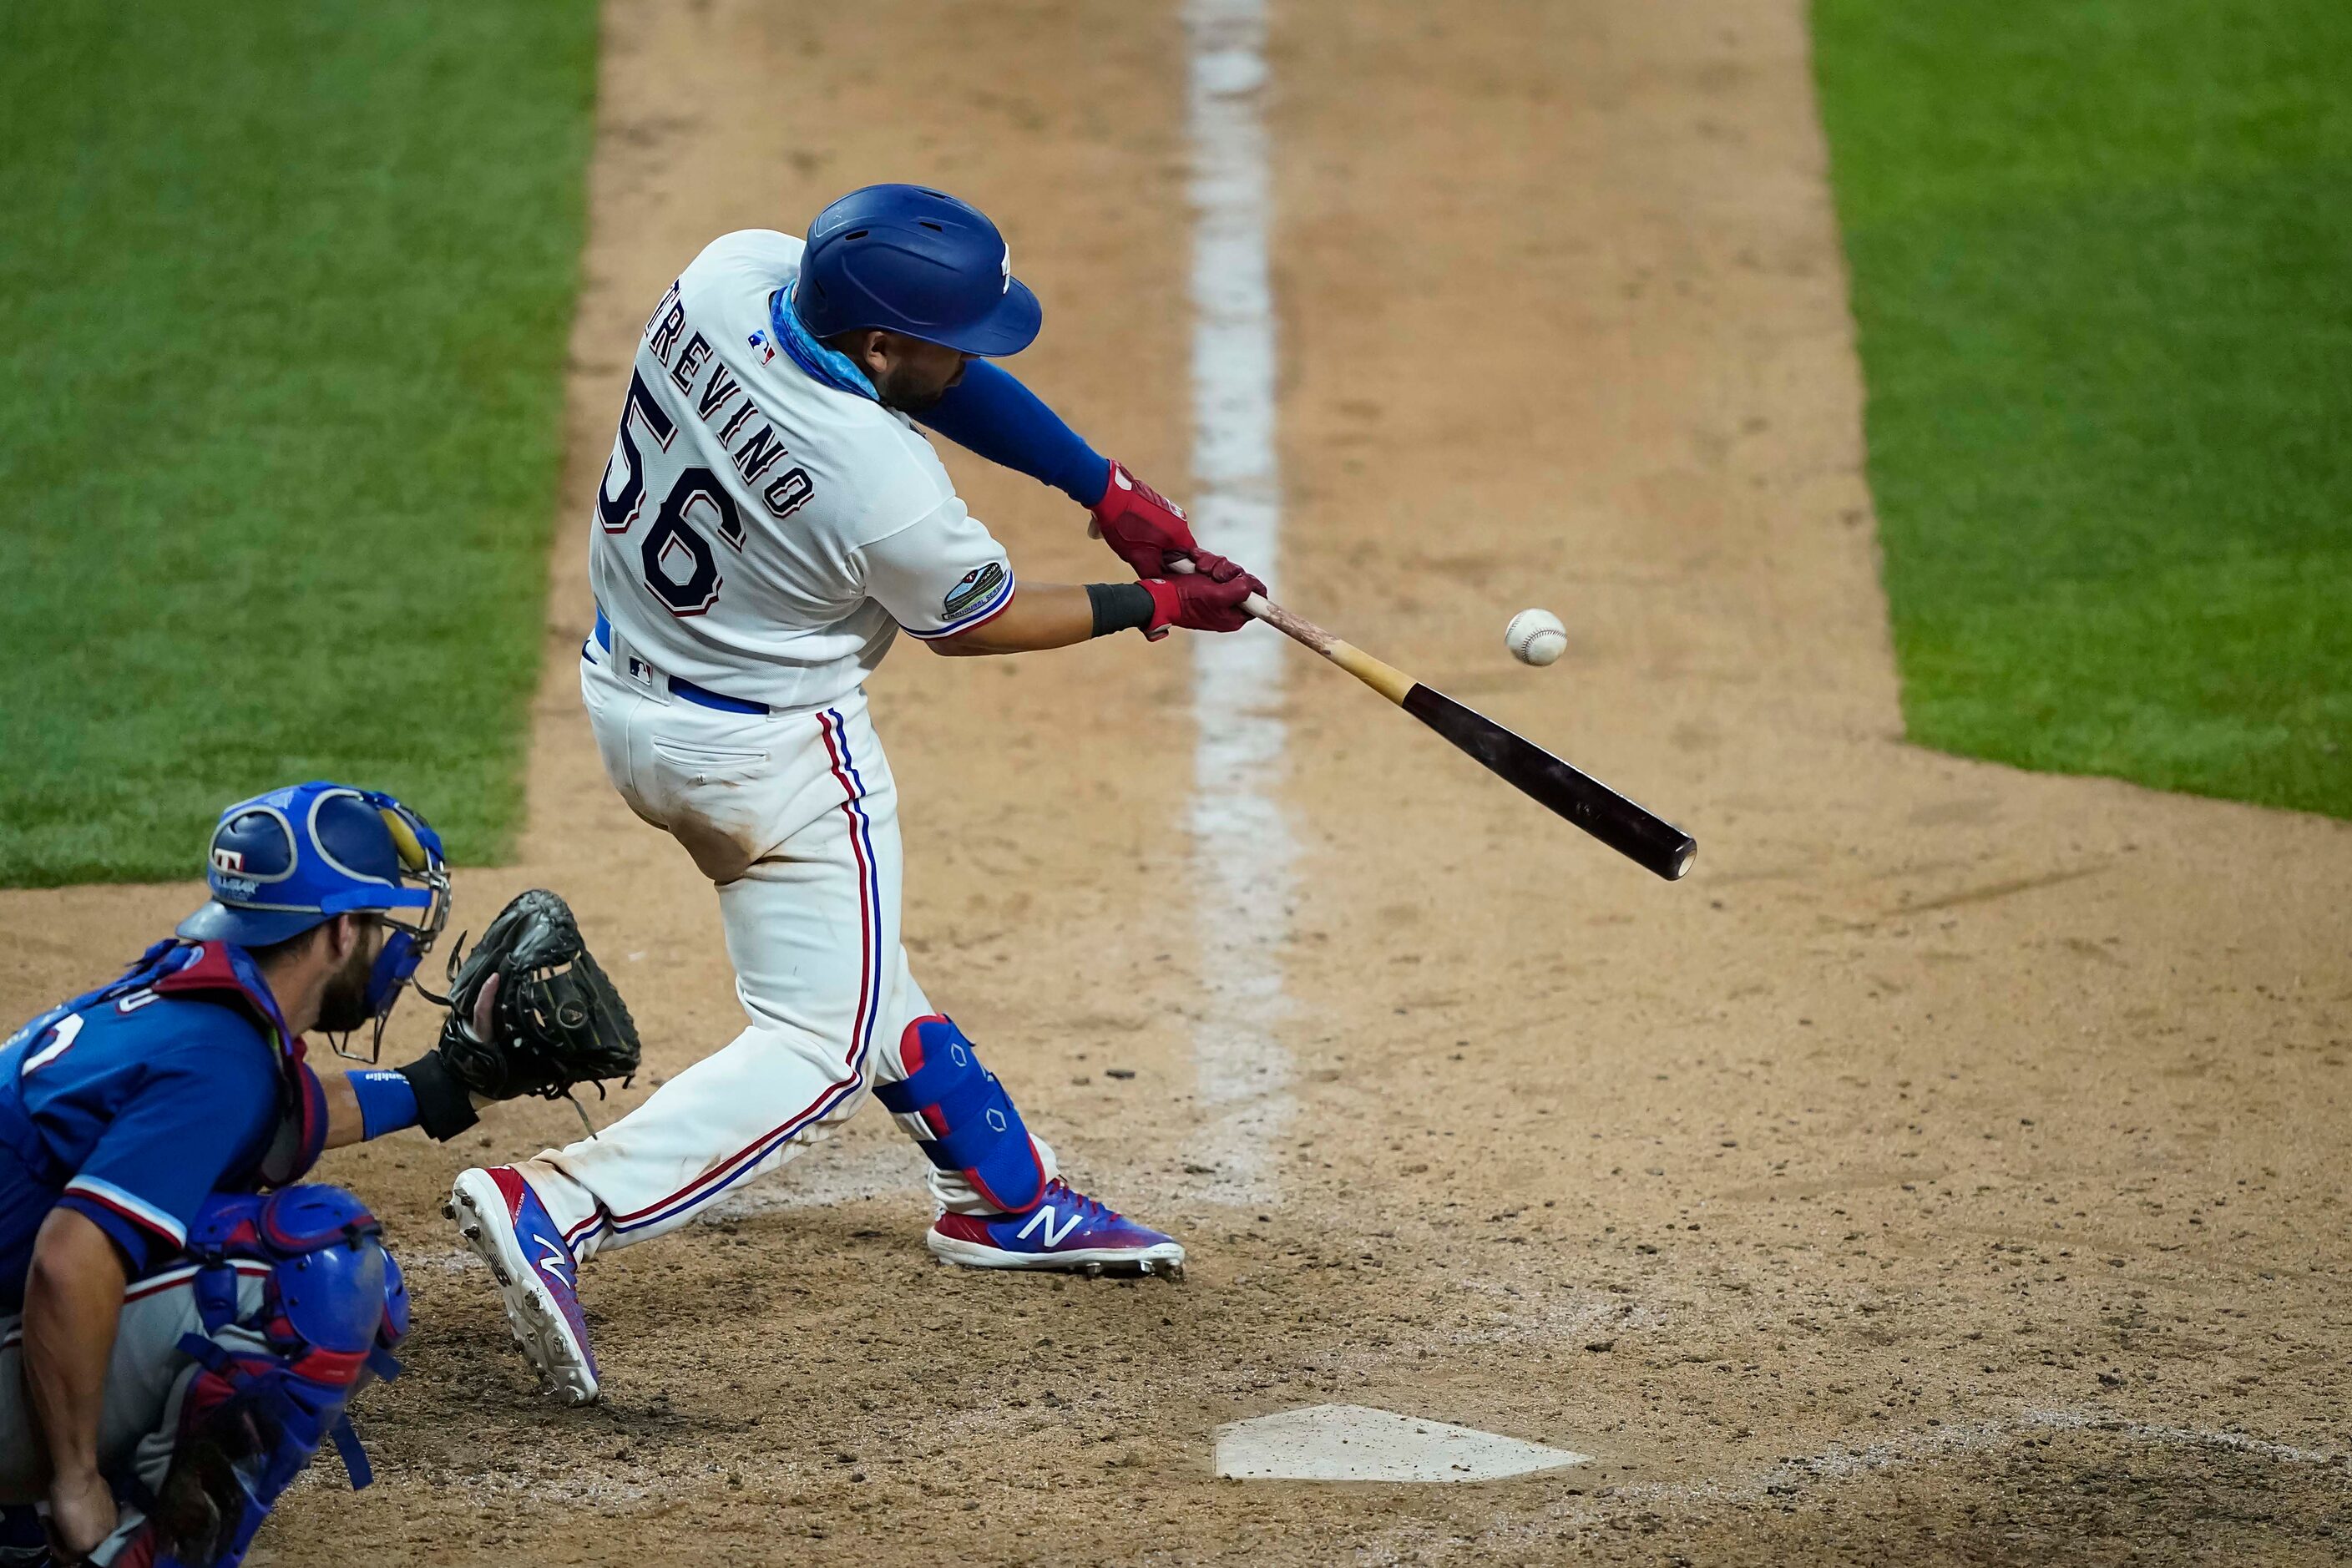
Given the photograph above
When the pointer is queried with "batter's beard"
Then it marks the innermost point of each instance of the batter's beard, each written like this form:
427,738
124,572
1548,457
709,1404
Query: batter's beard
342,1006
892,396
892,391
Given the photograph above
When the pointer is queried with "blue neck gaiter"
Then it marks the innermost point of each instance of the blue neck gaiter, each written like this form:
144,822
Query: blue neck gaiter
828,365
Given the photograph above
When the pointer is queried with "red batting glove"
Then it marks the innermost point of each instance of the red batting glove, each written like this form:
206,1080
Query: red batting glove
1208,599
1143,527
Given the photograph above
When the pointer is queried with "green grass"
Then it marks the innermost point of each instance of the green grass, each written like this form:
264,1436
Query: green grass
2102,258
284,294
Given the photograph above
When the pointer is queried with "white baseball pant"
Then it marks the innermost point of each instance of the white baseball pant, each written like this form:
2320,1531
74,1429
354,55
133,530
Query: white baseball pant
137,1421
795,817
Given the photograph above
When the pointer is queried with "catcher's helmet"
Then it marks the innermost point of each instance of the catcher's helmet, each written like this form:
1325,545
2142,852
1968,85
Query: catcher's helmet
283,862
290,860
916,261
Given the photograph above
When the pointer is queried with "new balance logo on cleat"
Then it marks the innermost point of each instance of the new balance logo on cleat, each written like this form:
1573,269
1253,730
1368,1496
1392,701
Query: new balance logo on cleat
1042,1217
1065,1230
501,1220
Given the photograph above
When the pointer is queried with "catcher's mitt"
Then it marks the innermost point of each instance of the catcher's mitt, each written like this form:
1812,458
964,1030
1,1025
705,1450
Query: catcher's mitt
532,1011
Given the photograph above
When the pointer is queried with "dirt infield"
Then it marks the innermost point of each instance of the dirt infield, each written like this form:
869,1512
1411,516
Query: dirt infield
1951,1167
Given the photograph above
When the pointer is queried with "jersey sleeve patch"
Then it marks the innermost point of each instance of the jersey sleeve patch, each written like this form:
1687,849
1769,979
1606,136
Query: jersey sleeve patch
981,595
942,574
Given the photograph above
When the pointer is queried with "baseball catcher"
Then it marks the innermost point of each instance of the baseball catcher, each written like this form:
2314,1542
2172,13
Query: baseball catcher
183,1320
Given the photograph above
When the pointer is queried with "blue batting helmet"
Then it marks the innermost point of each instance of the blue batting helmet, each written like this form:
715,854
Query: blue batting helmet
916,261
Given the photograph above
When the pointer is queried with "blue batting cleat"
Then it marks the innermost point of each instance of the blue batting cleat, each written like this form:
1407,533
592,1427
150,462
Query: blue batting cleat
1065,1229
504,1223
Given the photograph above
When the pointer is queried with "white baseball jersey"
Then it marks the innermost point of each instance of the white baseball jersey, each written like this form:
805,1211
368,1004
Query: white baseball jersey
759,532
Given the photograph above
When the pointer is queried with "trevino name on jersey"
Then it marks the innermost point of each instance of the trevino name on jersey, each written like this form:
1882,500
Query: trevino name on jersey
764,534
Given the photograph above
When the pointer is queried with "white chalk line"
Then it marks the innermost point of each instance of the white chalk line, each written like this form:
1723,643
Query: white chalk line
1243,858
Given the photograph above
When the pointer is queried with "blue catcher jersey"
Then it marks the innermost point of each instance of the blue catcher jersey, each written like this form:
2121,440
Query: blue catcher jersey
133,1103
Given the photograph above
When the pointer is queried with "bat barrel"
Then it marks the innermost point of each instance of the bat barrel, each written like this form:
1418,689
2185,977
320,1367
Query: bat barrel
1643,838
1648,841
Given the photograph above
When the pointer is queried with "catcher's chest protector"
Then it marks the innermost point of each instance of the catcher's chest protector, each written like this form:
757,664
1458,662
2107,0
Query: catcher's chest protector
215,972
223,973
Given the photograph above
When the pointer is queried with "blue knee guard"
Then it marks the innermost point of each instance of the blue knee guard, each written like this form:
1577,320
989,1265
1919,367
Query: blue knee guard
271,1385
970,1125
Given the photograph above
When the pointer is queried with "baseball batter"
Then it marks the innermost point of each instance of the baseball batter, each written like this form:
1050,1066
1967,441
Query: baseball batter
770,521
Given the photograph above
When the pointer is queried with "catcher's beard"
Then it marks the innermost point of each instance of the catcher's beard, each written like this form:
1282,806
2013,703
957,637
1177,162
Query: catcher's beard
342,1006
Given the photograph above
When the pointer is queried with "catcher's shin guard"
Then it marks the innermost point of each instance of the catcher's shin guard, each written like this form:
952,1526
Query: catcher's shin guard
961,1116
268,1388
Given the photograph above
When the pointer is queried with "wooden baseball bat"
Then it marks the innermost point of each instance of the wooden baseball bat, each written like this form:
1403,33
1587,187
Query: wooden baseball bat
1647,840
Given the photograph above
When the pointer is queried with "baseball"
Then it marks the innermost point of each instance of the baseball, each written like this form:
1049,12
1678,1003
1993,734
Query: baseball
1535,637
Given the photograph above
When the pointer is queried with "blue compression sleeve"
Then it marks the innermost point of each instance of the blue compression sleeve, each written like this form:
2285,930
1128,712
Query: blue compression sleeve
993,414
387,1101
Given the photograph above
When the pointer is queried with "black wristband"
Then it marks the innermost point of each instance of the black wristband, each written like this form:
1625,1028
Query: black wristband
1119,606
444,1108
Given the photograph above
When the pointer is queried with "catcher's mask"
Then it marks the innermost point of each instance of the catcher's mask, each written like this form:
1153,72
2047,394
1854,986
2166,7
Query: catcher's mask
283,862
406,942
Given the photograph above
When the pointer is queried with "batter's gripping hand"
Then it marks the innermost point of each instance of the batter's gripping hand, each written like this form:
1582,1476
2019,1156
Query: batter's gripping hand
1143,527
1207,599
532,1011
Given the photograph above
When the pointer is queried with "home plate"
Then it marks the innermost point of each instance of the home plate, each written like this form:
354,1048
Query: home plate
1357,1443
